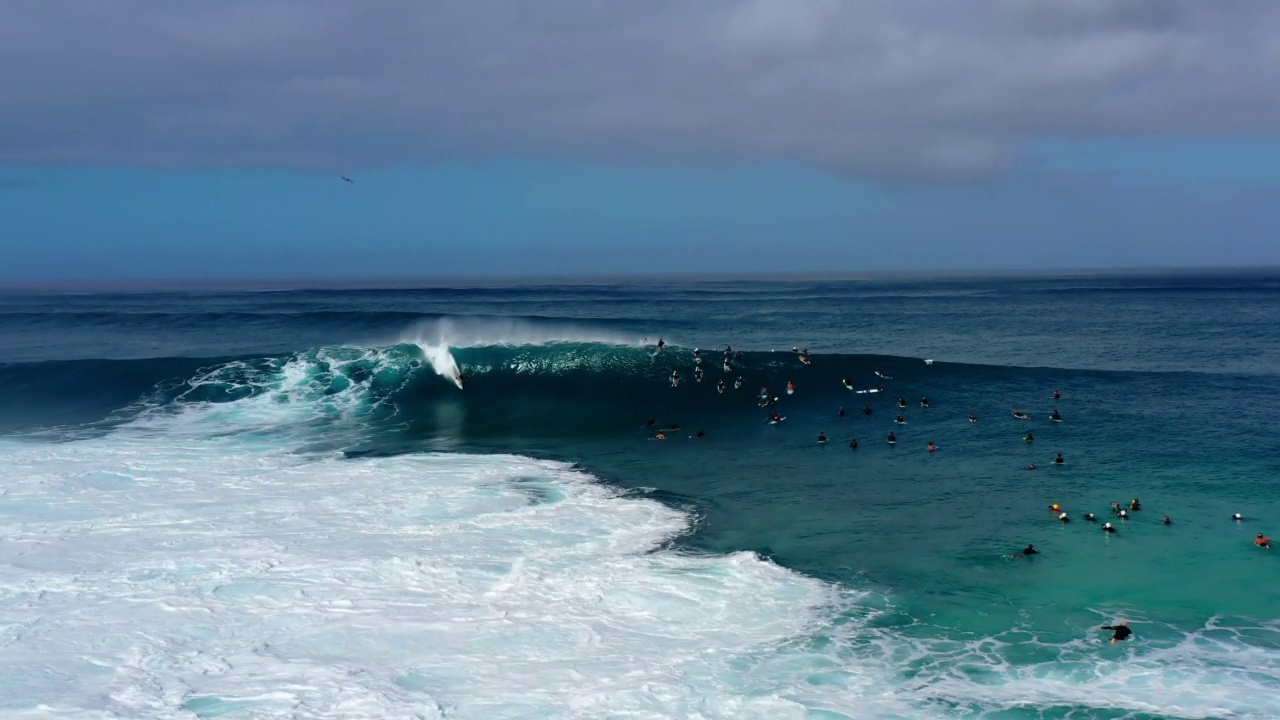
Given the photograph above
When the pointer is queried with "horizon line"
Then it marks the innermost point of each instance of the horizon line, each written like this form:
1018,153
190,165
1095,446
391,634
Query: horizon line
412,282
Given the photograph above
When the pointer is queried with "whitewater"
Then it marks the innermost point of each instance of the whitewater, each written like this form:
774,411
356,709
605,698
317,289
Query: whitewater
149,579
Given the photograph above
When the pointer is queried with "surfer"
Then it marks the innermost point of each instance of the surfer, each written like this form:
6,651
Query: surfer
1262,541
822,438
675,378
1031,466
697,374
902,403
848,384
652,422
900,420
973,418
1021,415
462,380
1122,631
661,344
867,411
1108,528
791,388
1123,514
727,367
720,387
775,418
882,376
1057,395
1029,437
1030,550
893,439
1135,504
853,444
933,448
1237,517
660,436
1090,517
697,356
1062,518
1058,460
700,434
737,384
1168,520
1055,416
924,402
804,359
842,413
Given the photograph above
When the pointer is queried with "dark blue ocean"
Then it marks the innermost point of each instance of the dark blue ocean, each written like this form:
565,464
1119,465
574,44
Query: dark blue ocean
277,502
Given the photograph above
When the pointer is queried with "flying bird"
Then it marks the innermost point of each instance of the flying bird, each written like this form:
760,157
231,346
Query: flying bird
347,179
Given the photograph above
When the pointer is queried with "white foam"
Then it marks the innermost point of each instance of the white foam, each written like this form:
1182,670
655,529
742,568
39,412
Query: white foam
149,579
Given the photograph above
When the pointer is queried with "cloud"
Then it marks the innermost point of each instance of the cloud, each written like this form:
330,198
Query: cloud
899,91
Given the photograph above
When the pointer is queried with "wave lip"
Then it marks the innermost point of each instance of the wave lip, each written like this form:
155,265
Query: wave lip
438,337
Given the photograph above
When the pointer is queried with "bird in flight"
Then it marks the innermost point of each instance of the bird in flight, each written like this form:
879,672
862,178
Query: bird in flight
347,179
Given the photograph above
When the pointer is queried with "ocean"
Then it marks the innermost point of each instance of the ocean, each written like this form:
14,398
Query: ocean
278,503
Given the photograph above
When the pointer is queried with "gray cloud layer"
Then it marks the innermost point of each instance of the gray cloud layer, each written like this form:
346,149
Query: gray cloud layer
889,89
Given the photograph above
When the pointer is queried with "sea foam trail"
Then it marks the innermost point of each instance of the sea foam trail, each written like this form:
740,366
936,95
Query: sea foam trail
149,579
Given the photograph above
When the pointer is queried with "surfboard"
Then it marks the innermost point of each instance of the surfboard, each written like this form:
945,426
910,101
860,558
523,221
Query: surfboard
775,422
864,392
791,391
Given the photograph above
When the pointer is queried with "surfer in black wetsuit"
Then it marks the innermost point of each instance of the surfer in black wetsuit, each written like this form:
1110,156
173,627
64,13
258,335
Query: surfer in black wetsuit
697,374
462,379
893,439
902,403
853,444
973,418
675,378
900,420
661,344
1057,395
1090,517
720,387
652,422
1121,631
924,402
737,384
1030,550
1055,416
822,438
700,434
848,384
867,411
1029,437
842,413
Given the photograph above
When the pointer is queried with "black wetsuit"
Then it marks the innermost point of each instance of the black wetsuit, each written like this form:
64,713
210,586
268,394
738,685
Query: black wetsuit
1122,631
1029,550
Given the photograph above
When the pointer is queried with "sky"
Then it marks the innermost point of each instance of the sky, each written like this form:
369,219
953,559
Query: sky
150,139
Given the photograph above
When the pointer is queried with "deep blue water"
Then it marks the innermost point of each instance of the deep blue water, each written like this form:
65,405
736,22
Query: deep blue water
1170,386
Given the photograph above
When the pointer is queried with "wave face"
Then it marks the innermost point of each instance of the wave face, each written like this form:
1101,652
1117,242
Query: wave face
207,521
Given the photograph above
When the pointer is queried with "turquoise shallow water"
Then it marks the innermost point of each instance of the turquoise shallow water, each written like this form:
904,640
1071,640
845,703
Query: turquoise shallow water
1169,390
